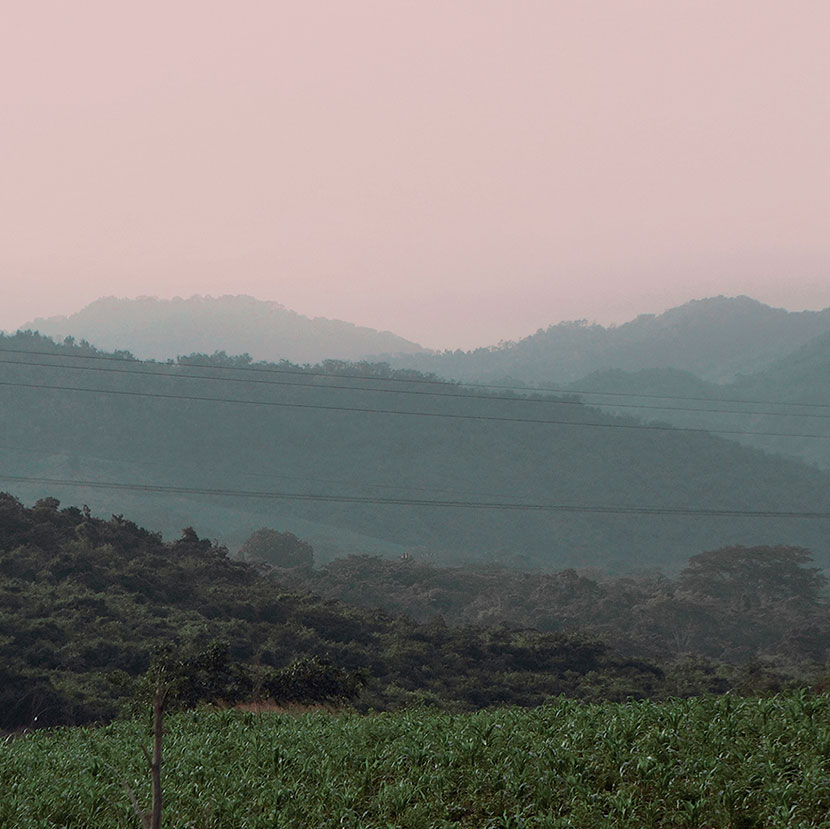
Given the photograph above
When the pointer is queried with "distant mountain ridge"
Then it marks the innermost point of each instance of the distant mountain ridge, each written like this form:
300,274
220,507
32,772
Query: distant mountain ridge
160,329
783,408
716,339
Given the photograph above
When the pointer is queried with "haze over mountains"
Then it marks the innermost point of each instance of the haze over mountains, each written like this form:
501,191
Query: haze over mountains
157,329
716,339
783,408
389,437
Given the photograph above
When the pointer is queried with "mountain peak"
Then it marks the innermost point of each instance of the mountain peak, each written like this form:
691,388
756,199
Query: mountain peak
162,328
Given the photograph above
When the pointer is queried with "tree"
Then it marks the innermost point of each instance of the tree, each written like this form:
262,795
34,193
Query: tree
754,577
183,681
279,549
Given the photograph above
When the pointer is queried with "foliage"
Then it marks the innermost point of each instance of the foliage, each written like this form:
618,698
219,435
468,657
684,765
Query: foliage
189,678
280,549
701,762
732,604
87,602
759,576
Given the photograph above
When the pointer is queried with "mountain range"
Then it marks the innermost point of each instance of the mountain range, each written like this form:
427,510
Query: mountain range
389,435
716,339
783,408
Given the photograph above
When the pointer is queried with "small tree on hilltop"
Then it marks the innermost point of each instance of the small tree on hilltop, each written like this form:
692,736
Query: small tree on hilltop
278,549
751,577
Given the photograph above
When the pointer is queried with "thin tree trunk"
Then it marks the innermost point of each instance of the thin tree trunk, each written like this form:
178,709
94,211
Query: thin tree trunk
155,764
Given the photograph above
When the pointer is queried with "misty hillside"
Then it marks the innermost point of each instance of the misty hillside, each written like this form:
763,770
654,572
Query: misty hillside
160,329
716,339
788,401
358,458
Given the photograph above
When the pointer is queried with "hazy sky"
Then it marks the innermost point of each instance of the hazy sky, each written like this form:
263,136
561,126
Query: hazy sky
458,171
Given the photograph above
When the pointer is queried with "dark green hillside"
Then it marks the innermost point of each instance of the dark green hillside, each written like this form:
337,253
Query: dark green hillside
83,603
355,477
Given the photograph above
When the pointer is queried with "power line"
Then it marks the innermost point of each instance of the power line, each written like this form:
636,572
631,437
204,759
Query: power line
398,391
244,473
423,502
420,380
399,412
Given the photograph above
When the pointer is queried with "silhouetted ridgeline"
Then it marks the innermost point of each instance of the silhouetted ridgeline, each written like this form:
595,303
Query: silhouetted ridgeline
715,338
158,329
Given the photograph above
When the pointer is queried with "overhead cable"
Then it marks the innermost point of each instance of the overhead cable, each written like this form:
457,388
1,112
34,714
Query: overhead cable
423,502
307,371
397,391
409,413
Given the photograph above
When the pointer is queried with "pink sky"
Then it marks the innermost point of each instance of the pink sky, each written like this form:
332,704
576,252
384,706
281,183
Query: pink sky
458,171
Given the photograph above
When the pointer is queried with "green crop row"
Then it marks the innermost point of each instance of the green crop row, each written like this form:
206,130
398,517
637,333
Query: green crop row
702,762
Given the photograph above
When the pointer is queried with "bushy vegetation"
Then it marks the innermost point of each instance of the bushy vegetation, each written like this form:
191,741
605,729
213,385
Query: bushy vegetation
727,761
280,549
85,602
734,604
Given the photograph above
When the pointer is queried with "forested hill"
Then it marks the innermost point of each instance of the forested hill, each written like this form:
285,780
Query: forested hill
715,338
358,458
86,601
158,329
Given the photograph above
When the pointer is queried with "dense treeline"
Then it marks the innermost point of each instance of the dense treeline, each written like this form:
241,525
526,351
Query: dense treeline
738,605
86,601
330,431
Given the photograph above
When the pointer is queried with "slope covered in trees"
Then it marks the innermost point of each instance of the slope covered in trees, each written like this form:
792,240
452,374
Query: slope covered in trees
84,602
358,458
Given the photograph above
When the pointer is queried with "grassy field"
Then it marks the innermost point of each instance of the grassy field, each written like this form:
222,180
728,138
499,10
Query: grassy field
705,762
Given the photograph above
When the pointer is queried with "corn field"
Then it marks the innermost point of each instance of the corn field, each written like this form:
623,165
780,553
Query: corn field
701,762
